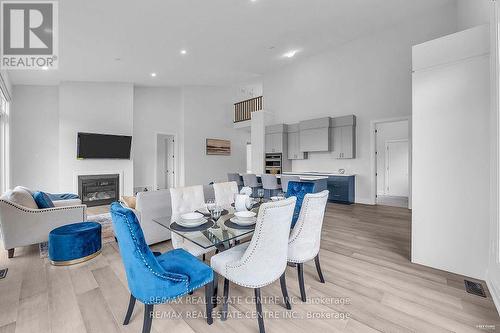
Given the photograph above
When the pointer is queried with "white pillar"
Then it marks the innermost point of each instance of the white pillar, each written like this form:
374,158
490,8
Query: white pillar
258,132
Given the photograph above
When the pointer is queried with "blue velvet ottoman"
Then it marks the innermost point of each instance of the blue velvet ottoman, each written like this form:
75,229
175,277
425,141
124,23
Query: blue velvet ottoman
74,243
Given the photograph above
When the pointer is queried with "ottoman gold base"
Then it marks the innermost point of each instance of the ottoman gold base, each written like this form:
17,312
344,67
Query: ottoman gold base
75,261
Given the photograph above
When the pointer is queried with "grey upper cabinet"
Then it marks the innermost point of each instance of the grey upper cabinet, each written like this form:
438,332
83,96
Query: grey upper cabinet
294,152
343,137
276,139
314,135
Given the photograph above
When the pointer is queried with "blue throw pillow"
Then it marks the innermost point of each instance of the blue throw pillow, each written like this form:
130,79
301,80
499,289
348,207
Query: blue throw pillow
42,200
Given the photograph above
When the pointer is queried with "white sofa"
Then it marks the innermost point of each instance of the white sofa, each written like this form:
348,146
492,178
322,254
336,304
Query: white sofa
22,226
149,205
152,204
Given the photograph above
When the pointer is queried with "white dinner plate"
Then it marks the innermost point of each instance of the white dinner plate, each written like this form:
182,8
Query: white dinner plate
237,221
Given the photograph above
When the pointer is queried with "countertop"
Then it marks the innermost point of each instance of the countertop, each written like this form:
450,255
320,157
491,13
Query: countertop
305,177
313,173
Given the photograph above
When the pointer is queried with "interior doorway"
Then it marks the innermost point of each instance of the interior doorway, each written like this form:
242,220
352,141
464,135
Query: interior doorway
392,153
165,161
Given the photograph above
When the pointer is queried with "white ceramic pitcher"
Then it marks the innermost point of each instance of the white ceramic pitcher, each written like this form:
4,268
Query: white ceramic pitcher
241,202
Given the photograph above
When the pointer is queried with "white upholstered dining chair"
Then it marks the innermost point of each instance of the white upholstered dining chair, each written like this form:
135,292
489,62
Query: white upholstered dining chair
261,261
305,238
224,193
186,200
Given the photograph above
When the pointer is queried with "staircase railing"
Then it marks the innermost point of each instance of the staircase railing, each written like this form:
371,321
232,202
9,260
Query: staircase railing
243,110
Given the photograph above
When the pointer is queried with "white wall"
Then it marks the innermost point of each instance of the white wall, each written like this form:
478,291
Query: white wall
385,132
451,153
208,113
369,77
493,272
95,108
471,13
156,110
34,128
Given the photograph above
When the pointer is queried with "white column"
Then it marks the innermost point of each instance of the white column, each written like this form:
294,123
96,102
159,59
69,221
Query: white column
258,132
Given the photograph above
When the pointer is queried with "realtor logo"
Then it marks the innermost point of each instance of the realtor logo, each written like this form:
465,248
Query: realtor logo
29,35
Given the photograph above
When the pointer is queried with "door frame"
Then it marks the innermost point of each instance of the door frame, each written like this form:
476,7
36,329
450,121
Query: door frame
373,156
176,159
386,178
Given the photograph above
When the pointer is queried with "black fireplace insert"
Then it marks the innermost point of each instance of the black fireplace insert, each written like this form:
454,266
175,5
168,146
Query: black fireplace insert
98,190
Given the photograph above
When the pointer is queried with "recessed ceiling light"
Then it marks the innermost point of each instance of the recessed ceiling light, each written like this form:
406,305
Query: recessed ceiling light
45,68
153,74
184,52
290,54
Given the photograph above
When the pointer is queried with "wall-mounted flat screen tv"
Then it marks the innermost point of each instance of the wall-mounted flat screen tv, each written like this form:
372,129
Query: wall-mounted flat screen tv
92,145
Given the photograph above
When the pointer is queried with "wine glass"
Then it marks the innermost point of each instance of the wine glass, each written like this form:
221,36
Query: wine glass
210,203
215,213
260,194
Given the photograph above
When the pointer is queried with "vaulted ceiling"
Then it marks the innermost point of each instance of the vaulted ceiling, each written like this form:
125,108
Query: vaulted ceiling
226,41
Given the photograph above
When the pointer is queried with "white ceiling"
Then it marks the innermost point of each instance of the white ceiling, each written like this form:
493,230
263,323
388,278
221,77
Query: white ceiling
228,41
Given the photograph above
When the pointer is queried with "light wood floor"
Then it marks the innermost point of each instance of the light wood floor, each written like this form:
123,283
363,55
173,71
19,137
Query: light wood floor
365,251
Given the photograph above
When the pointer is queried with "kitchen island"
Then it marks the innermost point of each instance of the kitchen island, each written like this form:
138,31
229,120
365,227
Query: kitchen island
320,181
341,186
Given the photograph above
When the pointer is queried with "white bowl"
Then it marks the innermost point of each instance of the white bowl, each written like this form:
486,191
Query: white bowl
237,221
245,216
191,216
191,223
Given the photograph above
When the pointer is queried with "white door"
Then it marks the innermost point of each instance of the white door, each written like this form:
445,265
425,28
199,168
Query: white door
396,183
165,161
169,162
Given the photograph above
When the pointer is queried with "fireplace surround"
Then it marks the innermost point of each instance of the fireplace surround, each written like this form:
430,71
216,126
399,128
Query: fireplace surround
98,190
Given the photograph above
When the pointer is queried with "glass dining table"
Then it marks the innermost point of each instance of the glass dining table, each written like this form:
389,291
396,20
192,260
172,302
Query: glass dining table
219,236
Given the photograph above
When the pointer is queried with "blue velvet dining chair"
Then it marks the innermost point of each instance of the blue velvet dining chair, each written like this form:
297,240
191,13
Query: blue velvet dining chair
299,190
156,279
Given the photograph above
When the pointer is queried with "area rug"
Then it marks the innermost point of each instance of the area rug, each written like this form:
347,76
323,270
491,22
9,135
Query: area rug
107,234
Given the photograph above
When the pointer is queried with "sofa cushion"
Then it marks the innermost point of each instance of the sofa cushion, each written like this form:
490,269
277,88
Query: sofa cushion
62,196
66,203
42,200
20,197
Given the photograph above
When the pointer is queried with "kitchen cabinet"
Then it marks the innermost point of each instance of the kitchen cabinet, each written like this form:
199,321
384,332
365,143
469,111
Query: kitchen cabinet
343,137
341,189
274,143
276,139
314,135
294,152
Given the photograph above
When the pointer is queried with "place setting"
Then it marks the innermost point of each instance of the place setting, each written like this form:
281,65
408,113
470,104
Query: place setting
193,221
242,220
